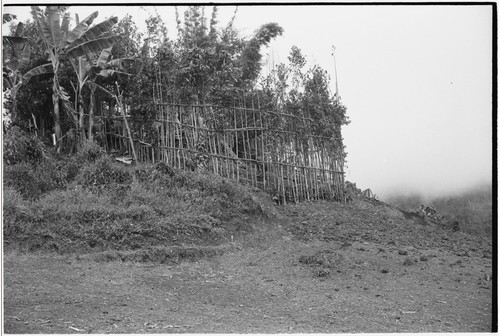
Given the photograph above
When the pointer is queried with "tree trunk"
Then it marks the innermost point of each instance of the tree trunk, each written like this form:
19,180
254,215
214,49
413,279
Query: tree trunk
81,126
122,110
13,112
57,120
91,113
55,102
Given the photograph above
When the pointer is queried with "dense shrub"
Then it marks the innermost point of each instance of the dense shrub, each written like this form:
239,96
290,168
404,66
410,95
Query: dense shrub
89,151
103,172
21,178
15,211
113,206
32,181
157,176
19,147
13,201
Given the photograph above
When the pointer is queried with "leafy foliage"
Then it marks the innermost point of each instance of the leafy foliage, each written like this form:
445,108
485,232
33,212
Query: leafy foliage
33,181
251,57
59,41
142,206
102,173
21,147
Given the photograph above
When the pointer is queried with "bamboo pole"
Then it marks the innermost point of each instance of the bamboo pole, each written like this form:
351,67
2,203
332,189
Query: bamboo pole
237,145
121,108
289,168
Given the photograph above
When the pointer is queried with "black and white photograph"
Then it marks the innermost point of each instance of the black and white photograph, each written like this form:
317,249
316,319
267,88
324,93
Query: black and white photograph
249,167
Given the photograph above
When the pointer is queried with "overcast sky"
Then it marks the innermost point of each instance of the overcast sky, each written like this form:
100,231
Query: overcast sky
416,81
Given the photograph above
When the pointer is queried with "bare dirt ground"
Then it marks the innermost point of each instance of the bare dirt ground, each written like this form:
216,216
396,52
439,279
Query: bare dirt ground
322,267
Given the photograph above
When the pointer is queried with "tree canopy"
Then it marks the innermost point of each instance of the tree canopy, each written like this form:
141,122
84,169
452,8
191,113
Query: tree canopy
208,62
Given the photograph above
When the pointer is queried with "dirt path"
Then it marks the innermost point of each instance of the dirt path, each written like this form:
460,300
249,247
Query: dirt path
285,285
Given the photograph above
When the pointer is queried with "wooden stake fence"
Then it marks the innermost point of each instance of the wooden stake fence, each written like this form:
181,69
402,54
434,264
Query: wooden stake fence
260,148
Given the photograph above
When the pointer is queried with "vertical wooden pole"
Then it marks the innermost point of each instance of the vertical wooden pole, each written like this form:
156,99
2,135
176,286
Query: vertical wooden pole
122,110
237,145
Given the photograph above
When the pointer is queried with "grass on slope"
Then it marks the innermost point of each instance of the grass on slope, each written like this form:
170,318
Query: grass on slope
107,205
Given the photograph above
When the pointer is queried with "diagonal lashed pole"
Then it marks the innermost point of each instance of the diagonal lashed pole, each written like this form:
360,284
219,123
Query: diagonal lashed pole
118,98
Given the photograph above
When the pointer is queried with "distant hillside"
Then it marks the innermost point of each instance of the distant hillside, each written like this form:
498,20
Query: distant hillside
473,209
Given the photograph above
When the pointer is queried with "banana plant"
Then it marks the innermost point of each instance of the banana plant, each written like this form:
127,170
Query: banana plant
59,40
16,58
88,71
85,67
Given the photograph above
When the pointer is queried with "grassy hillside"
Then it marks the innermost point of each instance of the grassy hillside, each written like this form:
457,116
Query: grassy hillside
91,202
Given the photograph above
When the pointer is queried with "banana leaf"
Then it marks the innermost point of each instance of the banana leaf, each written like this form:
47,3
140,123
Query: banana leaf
39,70
130,65
65,22
19,29
81,67
108,73
54,22
13,64
93,47
13,40
24,60
95,86
94,32
64,30
17,56
42,26
8,17
80,28
103,57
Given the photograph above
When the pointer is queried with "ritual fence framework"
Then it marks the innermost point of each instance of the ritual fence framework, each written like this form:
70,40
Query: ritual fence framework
270,150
